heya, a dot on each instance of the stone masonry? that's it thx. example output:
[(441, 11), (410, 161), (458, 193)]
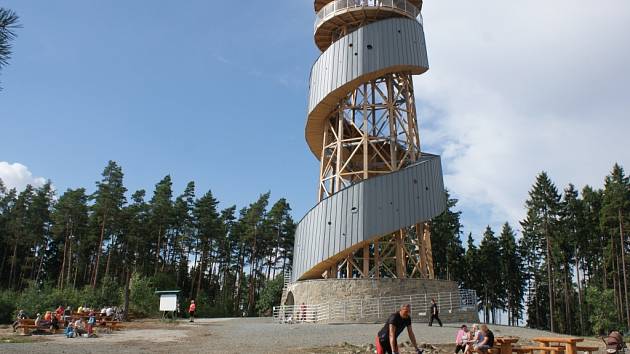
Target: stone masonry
[(367, 291)]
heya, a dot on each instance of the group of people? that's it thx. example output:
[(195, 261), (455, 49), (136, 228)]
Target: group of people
[(74, 324), (480, 338)]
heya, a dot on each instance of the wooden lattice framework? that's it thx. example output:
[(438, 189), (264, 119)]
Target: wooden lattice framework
[(374, 131)]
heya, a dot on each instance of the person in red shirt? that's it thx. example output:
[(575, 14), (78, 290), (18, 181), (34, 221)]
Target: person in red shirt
[(191, 310)]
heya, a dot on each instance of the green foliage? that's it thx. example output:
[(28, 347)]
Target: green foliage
[(8, 24), (143, 300), (270, 296), (7, 306), (602, 310)]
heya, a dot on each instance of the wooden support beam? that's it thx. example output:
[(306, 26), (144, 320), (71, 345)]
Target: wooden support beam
[(377, 259), (400, 255), (428, 250), (366, 260), (349, 266), (424, 272)]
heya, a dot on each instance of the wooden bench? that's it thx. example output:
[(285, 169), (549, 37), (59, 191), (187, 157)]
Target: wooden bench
[(587, 349), (532, 349), (27, 328)]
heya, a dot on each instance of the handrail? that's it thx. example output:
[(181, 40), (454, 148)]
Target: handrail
[(337, 6), (356, 309)]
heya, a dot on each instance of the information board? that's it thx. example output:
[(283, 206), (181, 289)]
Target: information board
[(168, 302)]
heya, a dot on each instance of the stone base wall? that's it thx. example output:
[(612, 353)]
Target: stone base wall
[(367, 291)]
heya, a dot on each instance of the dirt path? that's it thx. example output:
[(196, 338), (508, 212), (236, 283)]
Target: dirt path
[(246, 335)]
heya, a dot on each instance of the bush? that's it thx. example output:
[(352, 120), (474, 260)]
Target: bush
[(142, 298), (270, 296), (7, 307)]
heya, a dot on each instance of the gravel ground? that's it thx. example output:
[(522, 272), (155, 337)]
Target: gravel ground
[(253, 335)]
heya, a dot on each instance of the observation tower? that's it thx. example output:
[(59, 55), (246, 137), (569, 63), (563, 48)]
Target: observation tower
[(370, 233)]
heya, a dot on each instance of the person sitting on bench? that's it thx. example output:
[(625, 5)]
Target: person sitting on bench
[(20, 316), (54, 324), (476, 337), (461, 339), (488, 340)]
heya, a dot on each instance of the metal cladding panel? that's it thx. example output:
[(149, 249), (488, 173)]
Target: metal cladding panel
[(384, 204), (394, 42)]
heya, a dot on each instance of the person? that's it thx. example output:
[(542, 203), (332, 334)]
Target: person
[(302, 312), (59, 312), (109, 311), (79, 327), (80, 310), (67, 314), (461, 339), (48, 316), (387, 337), (434, 313), (21, 315), (475, 337), (91, 323), (38, 320), (54, 324), (488, 340), (104, 311), (191, 310), (69, 332)]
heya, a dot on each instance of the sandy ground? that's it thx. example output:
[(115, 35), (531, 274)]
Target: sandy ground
[(244, 335)]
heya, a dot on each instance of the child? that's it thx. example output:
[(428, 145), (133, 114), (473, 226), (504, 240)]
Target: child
[(90, 324)]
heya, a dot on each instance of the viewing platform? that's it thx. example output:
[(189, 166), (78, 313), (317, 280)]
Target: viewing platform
[(339, 17)]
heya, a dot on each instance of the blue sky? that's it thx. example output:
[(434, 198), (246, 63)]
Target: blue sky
[(215, 92)]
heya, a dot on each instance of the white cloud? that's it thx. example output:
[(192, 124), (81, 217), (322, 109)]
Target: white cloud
[(517, 88), (18, 176)]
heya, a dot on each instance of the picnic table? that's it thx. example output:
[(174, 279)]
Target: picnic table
[(505, 344), (569, 343)]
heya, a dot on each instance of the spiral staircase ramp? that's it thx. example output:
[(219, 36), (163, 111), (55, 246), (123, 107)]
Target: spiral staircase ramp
[(377, 38)]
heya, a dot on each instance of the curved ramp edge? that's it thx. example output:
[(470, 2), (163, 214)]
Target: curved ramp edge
[(366, 211)]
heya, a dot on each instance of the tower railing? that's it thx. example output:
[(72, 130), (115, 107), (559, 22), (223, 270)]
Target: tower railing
[(374, 308), (337, 6)]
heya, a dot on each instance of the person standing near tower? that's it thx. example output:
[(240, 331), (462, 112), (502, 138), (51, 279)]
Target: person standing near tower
[(387, 337), (191, 310), (434, 313)]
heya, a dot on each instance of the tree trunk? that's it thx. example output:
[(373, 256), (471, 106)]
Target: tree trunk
[(579, 284), (622, 247), (109, 256), (98, 251), (63, 263), (567, 309), (620, 295), (127, 281), (250, 301), (157, 251), (549, 278), (69, 263), (13, 261), (239, 280), (202, 269)]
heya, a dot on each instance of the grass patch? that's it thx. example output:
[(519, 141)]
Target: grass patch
[(15, 339)]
